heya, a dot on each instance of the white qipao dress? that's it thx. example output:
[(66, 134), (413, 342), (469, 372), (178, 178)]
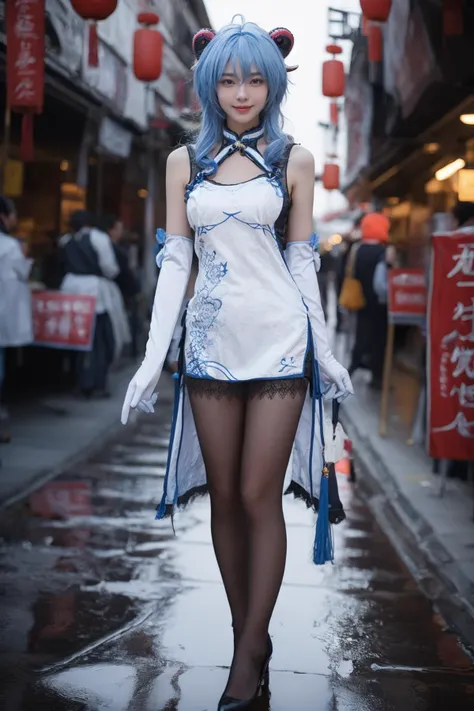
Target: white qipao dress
[(247, 320)]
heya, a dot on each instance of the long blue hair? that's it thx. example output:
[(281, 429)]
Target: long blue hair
[(253, 48)]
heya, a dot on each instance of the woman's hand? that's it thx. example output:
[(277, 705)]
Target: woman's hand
[(138, 395), (338, 377)]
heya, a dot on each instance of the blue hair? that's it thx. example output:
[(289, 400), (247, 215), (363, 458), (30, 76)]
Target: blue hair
[(251, 47)]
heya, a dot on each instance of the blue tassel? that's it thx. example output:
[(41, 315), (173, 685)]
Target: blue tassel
[(323, 549), (162, 507)]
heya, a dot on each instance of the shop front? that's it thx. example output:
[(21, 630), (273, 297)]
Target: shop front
[(410, 153)]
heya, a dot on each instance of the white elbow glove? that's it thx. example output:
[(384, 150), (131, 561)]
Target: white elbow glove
[(175, 261), (301, 258)]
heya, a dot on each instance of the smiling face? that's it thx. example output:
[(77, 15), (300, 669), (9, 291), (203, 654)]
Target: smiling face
[(242, 100)]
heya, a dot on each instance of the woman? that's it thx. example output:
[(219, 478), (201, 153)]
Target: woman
[(16, 326), (246, 192)]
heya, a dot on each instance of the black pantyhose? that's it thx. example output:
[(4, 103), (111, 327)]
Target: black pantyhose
[(246, 432)]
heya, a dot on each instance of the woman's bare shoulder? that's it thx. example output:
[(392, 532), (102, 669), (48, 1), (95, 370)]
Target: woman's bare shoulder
[(177, 164), (301, 157)]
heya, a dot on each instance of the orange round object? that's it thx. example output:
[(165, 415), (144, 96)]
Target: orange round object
[(375, 38), (334, 49), (331, 176), (376, 10), (148, 18), (147, 54), (95, 10), (375, 227)]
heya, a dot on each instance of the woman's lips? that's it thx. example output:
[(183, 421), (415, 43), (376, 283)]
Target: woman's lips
[(242, 109)]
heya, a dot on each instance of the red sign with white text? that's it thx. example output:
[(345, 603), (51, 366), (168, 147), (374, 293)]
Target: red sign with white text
[(451, 348), (407, 296), (63, 320), (25, 24)]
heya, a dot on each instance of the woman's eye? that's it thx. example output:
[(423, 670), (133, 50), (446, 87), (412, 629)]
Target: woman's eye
[(227, 82), (257, 81)]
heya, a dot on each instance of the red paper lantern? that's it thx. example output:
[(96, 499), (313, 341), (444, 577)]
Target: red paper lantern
[(375, 38), (147, 49), (334, 76), (94, 11), (453, 18), (334, 113), (331, 176), (376, 10)]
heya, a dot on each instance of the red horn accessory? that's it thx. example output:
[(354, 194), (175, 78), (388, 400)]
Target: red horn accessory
[(283, 39), (200, 41)]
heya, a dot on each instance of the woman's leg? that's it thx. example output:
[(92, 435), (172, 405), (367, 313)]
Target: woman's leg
[(218, 410), (271, 421)]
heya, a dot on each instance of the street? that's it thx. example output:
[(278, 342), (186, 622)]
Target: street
[(104, 608)]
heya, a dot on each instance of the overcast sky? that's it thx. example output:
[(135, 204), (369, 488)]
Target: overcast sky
[(307, 19)]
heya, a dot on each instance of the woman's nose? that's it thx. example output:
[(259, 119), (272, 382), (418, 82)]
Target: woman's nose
[(242, 92)]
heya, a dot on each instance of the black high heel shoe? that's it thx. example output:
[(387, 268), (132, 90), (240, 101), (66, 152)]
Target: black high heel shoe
[(228, 703)]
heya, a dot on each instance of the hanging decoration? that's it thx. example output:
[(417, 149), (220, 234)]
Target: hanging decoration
[(376, 10), (147, 48), (453, 18), (94, 11), (25, 66), (375, 38), (334, 113), (334, 77), (331, 176)]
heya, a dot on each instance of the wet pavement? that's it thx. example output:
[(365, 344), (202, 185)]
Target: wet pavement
[(103, 608)]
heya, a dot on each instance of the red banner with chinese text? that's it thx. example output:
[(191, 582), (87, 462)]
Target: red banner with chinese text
[(407, 296), (25, 25), (63, 320), (451, 348)]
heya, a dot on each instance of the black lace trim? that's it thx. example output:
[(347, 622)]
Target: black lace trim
[(247, 389), (336, 515)]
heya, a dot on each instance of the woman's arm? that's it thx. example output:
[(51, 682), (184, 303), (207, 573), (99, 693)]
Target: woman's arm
[(177, 177), (172, 283), (301, 187), (300, 258)]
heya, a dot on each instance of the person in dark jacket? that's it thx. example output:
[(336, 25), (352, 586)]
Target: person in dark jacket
[(371, 321)]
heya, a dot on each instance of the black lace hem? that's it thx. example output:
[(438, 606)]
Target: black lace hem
[(336, 515), (247, 389)]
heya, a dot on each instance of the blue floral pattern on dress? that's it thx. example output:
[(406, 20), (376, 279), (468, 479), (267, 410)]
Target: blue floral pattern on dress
[(205, 310), (287, 364)]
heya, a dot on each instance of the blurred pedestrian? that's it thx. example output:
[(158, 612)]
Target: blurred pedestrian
[(16, 326), (371, 321), (126, 280), (348, 241), (90, 267), (256, 353)]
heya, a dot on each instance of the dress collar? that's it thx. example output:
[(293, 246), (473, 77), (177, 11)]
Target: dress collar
[(246, 139)]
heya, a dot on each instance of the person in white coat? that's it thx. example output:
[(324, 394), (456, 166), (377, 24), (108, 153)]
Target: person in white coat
[(16, 325), (89, 261)]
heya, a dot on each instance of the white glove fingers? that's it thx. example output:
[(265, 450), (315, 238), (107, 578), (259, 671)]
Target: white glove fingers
[(127, 403)]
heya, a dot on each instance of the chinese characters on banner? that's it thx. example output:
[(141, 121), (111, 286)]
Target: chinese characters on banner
[(63, 320), (407, 296), (25, 25), (451, 348)]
